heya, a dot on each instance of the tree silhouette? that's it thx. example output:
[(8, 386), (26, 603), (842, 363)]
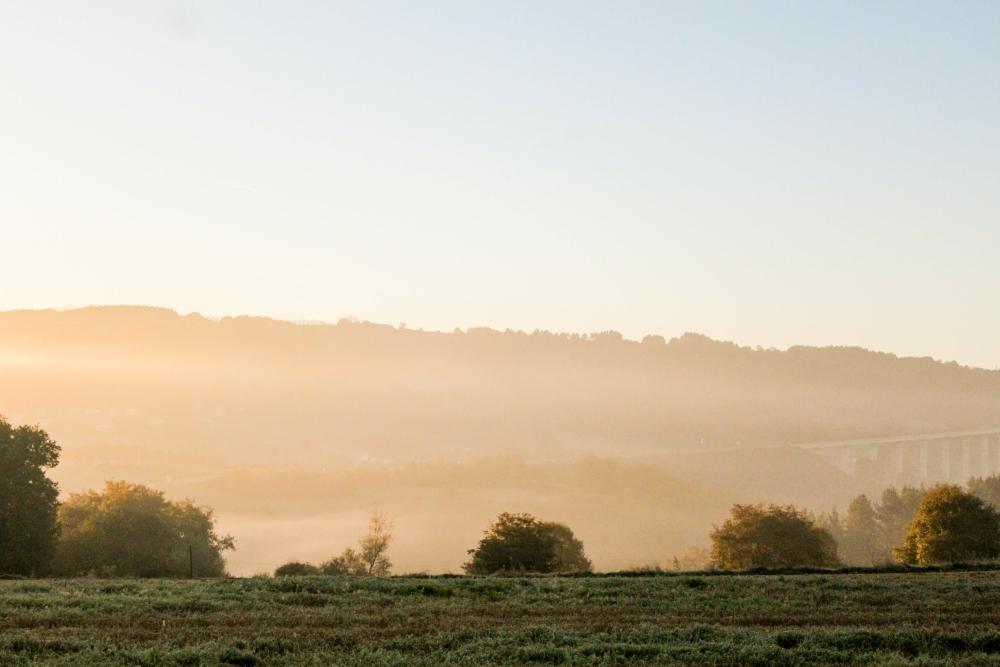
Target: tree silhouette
[(296, 569), (951, 525), (522, 543), (862, 539), (987, 488), (771, 536), (132, 530), (28, 499), (375, 545)]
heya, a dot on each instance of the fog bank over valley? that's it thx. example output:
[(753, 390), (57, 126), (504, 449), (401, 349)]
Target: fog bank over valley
[(293, 433)]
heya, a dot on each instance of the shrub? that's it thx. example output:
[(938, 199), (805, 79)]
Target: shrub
[(349, 562), (772, 536), (130, 530), (372, 556), (522, 543), (951, 526), (296, 569)]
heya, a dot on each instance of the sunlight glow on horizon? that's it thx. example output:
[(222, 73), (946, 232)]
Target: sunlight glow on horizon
[(773, 174)]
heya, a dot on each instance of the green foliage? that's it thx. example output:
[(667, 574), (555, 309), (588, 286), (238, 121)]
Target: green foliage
[(919, 619), (988, 489), (522, 543), (867, 535), (863, 534), (347, 563), (131, 530), (951, 525), (296, 569), (771, 536), (28, 499), (895, 511), (371, 558), (570, 556)]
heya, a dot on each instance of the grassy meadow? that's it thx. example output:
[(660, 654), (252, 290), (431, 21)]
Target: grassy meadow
[(919, 618)]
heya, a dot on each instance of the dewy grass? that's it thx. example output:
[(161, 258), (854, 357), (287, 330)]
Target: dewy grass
[(920, 618)]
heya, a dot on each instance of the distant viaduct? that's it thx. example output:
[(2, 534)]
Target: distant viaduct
[(934, 457)]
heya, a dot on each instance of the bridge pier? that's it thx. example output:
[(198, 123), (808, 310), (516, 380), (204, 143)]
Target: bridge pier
[(993, 454), (925, 472), (850, 460), (950, 457), (984, 455), (966, 459), (946, 457)]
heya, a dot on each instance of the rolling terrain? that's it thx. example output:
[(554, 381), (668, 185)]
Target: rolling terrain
[(293, 433)]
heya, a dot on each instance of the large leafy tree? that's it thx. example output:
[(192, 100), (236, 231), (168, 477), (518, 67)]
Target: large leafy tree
[(522, 543), (951, 525), (771, 536), (28, 499), (132, 530)]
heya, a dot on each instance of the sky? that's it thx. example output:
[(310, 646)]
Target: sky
[(773, 173)]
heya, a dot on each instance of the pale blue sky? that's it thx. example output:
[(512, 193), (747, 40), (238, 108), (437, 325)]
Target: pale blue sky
[(768, 172)]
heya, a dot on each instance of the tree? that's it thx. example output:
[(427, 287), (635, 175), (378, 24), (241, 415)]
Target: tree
[(834, 527), (28, 499), (894, 513), (371, 558), (951, 525), (862, 539), (987, 488), (771, 536), (832, 524), (132, 530), (692, 558), (522, 543), (348, 563), (296, 569), (375, 545), (870, 530), (569, 550)]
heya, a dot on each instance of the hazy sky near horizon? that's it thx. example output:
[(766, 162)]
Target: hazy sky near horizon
[(772, 173)]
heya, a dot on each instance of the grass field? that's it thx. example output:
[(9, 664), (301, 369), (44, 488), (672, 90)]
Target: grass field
[(940, 618)]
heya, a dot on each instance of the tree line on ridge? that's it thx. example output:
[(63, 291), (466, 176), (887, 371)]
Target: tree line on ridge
[(131, 530)]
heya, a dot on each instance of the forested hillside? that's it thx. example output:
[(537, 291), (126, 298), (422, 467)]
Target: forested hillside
[(293, 432), (297, 393)]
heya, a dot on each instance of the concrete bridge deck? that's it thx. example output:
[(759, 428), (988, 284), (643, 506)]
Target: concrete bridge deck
[(932, 457)]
